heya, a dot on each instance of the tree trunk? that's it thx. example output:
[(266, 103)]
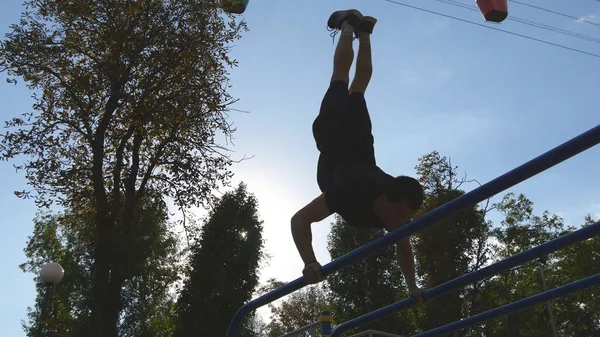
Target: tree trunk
[(100, 288), (106, 292), (102, 308), (113, 309)]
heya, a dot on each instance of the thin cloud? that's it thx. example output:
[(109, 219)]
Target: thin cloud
[(595, 210), (574, 216), (589, 17)]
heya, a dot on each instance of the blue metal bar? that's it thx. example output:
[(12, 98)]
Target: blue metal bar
[(516, 306), (311, 327), (535, 166), (478, 275)]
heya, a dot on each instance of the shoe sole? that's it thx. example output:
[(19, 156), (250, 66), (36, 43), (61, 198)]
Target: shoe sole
[(367, 24), (353, 16)]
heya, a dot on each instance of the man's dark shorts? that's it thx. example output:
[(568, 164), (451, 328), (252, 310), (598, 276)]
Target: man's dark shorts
[(342, 132)]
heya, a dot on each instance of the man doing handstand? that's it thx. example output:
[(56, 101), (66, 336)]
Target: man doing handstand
[(351, 183)]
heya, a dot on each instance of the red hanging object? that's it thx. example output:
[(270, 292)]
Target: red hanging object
[(493, 10)]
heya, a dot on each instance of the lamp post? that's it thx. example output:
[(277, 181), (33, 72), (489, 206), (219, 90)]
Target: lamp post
[(542, 265), (51, 274)]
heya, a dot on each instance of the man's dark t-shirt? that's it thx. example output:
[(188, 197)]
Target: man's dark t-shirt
[(353, 189)]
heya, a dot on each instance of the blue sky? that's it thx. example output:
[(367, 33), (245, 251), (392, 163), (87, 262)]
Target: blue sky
[(488, 100)]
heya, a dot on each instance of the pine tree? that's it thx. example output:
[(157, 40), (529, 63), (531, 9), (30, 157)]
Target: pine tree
[(223, 268)]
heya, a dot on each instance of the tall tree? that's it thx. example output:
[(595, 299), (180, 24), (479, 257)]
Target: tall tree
[(129, 96), (223, 268), (451, 247), (68, 238)]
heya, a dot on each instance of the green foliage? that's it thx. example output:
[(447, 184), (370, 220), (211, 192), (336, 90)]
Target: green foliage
[(57, 238), (139, 84), (578, 314), (253, 326), (148, 294), (66, 238), (521, 229), (223, 268), (298, 310)]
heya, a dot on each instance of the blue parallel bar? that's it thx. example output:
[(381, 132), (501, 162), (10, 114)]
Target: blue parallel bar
[(478, 275), (535, 166), (516, 306)]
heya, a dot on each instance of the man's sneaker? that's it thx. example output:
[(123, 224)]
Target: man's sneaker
[(336, 19), (367, 24)]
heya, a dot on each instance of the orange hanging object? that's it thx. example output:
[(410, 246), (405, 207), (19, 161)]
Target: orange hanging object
[(493, 10)]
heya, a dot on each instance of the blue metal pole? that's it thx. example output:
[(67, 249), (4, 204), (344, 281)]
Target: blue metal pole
[(535, 166), (478, 275), (326, 319), (516, 306)]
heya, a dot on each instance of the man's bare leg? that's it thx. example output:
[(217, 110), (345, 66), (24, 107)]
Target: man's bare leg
[(344, 55), (364, 64)]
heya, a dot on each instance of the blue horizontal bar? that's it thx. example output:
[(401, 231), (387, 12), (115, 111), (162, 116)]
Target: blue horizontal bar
[(308, 327), (516, 306), (478, 275), (535, 166)]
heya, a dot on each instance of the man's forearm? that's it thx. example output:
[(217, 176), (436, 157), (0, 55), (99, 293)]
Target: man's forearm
[(303, 239), (406, 261)]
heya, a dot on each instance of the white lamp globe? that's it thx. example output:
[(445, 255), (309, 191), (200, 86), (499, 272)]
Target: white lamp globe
[(52, 273)]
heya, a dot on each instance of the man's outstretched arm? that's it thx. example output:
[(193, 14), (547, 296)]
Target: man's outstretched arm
[(406, 260), (315, 211)]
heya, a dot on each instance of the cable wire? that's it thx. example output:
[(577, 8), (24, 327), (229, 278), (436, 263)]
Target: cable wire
[(557, 13), (494, 28), (527, 22)]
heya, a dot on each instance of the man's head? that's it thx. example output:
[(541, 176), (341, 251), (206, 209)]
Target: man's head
[(399, 202)]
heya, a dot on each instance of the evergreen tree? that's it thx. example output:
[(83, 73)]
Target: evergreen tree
[(223, 267)]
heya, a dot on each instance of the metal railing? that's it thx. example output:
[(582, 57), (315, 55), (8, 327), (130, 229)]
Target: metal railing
[(478, 275), (312, 328)]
